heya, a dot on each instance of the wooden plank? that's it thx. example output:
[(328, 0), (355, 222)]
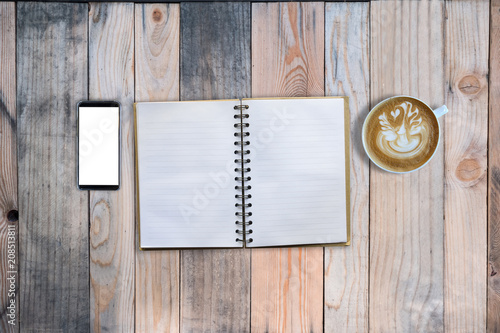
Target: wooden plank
[(8, 173), (157, 52), (347, 73), (406, 210), (287, 60), (215, 64), (53, 213), (287, 50), (493, 322), (466, 135), (157, 79), (112, 213)]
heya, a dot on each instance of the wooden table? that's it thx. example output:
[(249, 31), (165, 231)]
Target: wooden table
[(425, 250)]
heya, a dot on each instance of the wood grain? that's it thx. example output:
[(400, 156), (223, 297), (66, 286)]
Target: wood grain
[(157, 52), (429, 268), (347, 73), (112, 213), (493, 322), (466, 135), (287, 60), (9, 314), (157, 79), (406, 210), (53, 213), (215, 64), (287, 50)]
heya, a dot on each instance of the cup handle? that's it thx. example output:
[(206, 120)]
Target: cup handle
[(440, 111)]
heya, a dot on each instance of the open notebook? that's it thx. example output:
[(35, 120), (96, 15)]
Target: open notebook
[(243, 173)]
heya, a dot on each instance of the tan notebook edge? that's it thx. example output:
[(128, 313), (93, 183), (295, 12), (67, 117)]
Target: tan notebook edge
[(347, 181)]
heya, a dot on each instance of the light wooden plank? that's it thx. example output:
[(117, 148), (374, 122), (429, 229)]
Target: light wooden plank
[(157, 52), (8, 173), (157, 79), (287, 60), (287, 50), (347, 73), (466, 135), (493, 322), (53, 213), (406, 211), (215, 64), (112, 213)]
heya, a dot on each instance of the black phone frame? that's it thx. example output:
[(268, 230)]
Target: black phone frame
[(97, 104)]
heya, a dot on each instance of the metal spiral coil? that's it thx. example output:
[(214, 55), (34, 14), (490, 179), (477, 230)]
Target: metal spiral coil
[(239, 179), (243, 205), (239, 196), (249, 240), (246, 232), (239, 160), (242, 143), (241, 170), (246, 188), (243, 223), (243, 213)]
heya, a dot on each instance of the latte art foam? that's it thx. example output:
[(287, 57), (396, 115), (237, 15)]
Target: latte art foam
[(402, 134)]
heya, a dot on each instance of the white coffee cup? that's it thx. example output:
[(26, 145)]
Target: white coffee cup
[(401, 134)]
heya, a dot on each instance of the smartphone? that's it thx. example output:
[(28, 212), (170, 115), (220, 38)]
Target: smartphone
[(98, 145)]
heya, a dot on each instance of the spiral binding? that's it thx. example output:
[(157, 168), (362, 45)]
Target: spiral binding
[(243, 214)]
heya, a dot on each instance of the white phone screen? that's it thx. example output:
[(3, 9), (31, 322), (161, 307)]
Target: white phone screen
[(98, 146)]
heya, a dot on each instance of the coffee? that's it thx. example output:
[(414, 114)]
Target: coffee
[(401, 134)]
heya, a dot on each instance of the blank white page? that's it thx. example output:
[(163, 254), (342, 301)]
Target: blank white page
[(297, 171), (185, 156)]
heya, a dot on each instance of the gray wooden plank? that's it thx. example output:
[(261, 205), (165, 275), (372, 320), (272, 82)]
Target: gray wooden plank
[(215, 50), (112, 213), (53, 213), (215, 64), (9, 314), (347, 73), (493, 321)]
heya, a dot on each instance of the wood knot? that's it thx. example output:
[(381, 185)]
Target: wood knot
[(493, 281), (96, 13), (468, 170), (100, 219), (13, 216), (469, 85), (157, 15)]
